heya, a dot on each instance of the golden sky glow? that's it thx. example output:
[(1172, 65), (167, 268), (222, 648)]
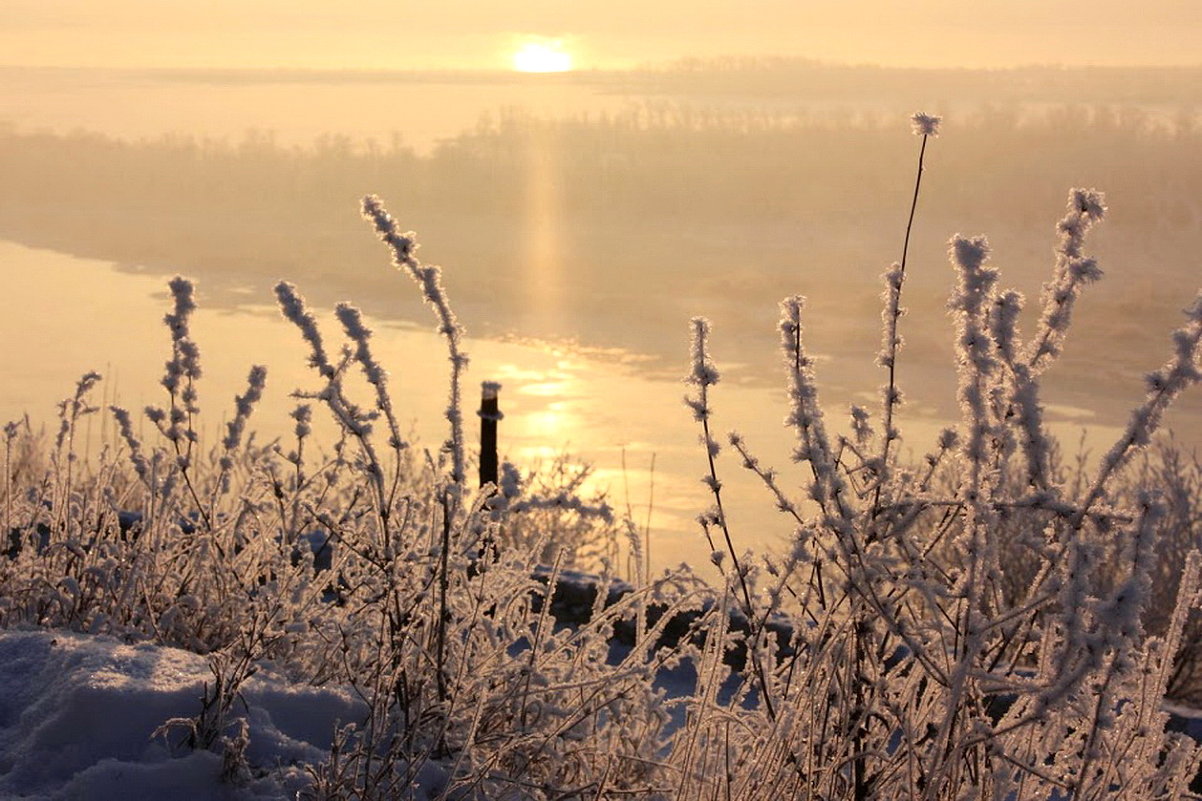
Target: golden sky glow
[(476, 34)]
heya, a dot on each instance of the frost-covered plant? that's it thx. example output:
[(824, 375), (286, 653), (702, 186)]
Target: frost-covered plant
[(981, 624), (926, 126), (429, 278), (920, 671), (447, 636), (553, 497), (1177, 475), (367, 567)]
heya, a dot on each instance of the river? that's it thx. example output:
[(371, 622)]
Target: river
[(67, 315)]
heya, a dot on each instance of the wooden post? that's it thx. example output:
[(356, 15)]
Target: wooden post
[(490, 415)]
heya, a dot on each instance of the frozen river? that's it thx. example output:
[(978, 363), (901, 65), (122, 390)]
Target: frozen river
[(67, 315)]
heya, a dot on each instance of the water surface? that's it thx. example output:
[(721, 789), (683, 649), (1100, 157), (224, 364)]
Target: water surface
[(68, 315)]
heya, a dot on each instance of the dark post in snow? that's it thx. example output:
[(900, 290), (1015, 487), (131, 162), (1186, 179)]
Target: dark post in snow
[(490, 414)]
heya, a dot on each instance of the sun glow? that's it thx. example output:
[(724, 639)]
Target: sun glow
[(542, 55)]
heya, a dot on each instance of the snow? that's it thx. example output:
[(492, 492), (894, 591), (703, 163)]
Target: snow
[(79, 713), (78, 716)]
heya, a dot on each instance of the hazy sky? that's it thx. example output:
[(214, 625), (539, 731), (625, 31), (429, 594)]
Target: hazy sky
[(603, 33)]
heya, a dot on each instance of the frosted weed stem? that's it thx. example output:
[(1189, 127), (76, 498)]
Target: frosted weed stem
[(244, 406), (926, 126), (10, 435), (1181, 371), (1071, 273), (377, 376), (704, 375), (429, 278), (70, 410), (352, 420), (178, 424)]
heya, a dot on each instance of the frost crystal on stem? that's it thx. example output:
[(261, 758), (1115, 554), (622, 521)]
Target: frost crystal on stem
[(925, 124), (429, 278), (1072, 272)]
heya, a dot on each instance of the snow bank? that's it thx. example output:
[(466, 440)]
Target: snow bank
[(78, 714)]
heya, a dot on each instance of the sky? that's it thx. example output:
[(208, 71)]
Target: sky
[(482, 34)]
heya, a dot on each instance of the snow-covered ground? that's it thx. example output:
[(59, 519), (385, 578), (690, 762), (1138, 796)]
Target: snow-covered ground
[(78, 716)]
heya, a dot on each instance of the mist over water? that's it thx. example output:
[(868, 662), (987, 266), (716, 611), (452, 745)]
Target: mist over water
[(581, 222)]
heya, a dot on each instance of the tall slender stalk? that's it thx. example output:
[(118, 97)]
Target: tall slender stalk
[(703, 376), (926, 126), (429, 278)]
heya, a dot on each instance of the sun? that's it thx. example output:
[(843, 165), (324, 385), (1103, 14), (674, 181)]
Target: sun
[(542, 55)]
